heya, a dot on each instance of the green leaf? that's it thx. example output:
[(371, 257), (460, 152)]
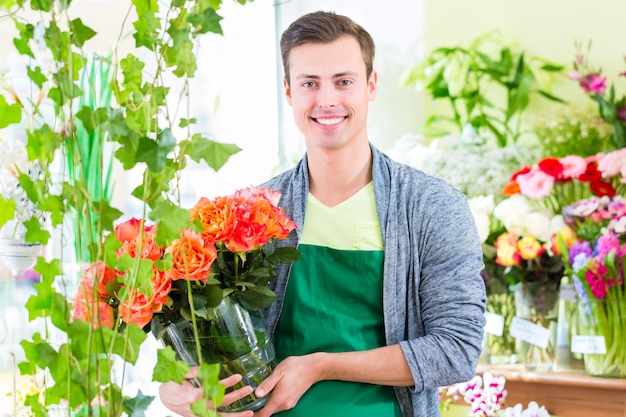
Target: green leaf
[(137, 406), (80, 32), (34, 231), (256, 298), (209, 21), (36, 76), (168, 368), (27, 32), (128, 345), (170, 220), (214, 153), (9, 113), (7, 210), (154, 152)]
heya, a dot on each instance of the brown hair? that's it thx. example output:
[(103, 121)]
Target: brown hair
[(325, 27)]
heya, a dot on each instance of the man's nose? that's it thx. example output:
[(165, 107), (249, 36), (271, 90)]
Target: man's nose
[(327, 96)]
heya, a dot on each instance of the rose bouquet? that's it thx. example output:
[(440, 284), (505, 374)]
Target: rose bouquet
[(597, 263), (225, 256)]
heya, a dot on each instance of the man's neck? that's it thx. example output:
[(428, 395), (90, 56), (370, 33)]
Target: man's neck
[(335, 176)]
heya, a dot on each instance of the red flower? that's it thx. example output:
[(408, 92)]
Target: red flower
[(602, 188), (551, 166)]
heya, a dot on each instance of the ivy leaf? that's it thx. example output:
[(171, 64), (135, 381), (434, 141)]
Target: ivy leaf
[(9, 113), (34, 231), (209, 21), (136, 407), (154, 152), (7, 210), (214, 153), (147, 30), (170, 219), (80, 32), (168, 368), (127, 345), (36, 76), (27, 32)]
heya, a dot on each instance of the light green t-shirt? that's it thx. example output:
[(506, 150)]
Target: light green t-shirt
[(333, 303)]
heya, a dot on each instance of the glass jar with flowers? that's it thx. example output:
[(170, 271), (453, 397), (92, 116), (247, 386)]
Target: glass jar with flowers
[(203, 294), (533, 266), (597, 264)]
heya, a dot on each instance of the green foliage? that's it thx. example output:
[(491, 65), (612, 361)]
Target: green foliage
[(489, 84), (126, 113)]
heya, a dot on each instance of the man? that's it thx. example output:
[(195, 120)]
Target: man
[(386, 302)]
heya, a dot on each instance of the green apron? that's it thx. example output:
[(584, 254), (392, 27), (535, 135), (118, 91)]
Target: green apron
[(333, 303)]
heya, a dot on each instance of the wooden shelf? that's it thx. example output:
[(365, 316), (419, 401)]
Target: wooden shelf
[(564, 393)]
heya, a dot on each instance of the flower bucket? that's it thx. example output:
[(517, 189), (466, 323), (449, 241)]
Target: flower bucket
[(238, 340), (18, 255), (601, 337), (499, 344), (535, 325)]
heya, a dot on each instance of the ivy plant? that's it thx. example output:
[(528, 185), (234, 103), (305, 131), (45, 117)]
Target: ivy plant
[(137, 123)]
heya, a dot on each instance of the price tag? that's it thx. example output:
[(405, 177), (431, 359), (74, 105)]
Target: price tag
[(530, 332), (494, 324), (588, 344), (568, 292)]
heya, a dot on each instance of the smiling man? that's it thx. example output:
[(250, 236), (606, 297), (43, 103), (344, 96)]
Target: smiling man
[(386, 302)]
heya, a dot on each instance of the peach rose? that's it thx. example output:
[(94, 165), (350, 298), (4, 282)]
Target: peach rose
[(137, 310), (192, 256), (217, 217), (102, 274), (529, 247), (161, 287), (90, 310)]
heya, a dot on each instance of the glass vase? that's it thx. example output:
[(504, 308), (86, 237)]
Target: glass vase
[(535, 324), (601, 337), (499, 344), (235, 338), (567, 327)]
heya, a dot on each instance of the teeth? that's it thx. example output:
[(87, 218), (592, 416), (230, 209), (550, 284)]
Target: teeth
[(329, 122)]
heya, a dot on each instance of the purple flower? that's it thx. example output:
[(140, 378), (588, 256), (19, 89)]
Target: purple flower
[(621, 113), (593, 83), (584, 250), (607, 243)]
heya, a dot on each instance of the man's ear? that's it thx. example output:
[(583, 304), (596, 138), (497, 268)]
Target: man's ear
[(372, 85), (287, 90)]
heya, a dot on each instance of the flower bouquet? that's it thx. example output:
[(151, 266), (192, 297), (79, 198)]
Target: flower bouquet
[(597, 264), (201, 294), (534, 268)]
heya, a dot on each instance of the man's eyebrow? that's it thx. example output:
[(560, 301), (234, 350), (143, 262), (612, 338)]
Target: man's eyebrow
[(317, 77)]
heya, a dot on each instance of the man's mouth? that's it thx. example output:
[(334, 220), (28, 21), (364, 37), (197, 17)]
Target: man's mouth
[(329, 121)]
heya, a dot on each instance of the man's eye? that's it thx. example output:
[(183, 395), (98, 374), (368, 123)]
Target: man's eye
[(308, 84), (345, 83)]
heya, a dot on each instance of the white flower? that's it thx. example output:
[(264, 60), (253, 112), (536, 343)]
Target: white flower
[(481, 208), (519, 217), (533, 410)]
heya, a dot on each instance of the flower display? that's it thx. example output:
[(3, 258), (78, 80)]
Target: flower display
[(228, 250), (558, 182), (597, 262), (474, 163), (611, 108), (486, 396)]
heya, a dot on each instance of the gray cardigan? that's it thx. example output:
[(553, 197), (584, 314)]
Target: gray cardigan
[(433, 295)]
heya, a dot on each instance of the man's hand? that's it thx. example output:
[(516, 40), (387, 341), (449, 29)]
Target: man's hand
[(178, 397), (288, 382)]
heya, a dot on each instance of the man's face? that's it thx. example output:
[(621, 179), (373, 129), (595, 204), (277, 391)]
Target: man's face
[(329, 92)]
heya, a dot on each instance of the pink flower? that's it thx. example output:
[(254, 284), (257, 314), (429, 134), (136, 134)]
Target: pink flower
[(612, 163), (536, 184), (573, 166), (574, 75), (593, 83)]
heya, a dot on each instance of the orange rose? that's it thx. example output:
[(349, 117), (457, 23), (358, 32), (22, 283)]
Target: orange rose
[(127, 231), (511, 188), (217, 217), (529, 247), (137, 310), (146, 241), (94, 311), (569, 238), (102, 274), (161, 287), (253, 193), (192, 257)]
